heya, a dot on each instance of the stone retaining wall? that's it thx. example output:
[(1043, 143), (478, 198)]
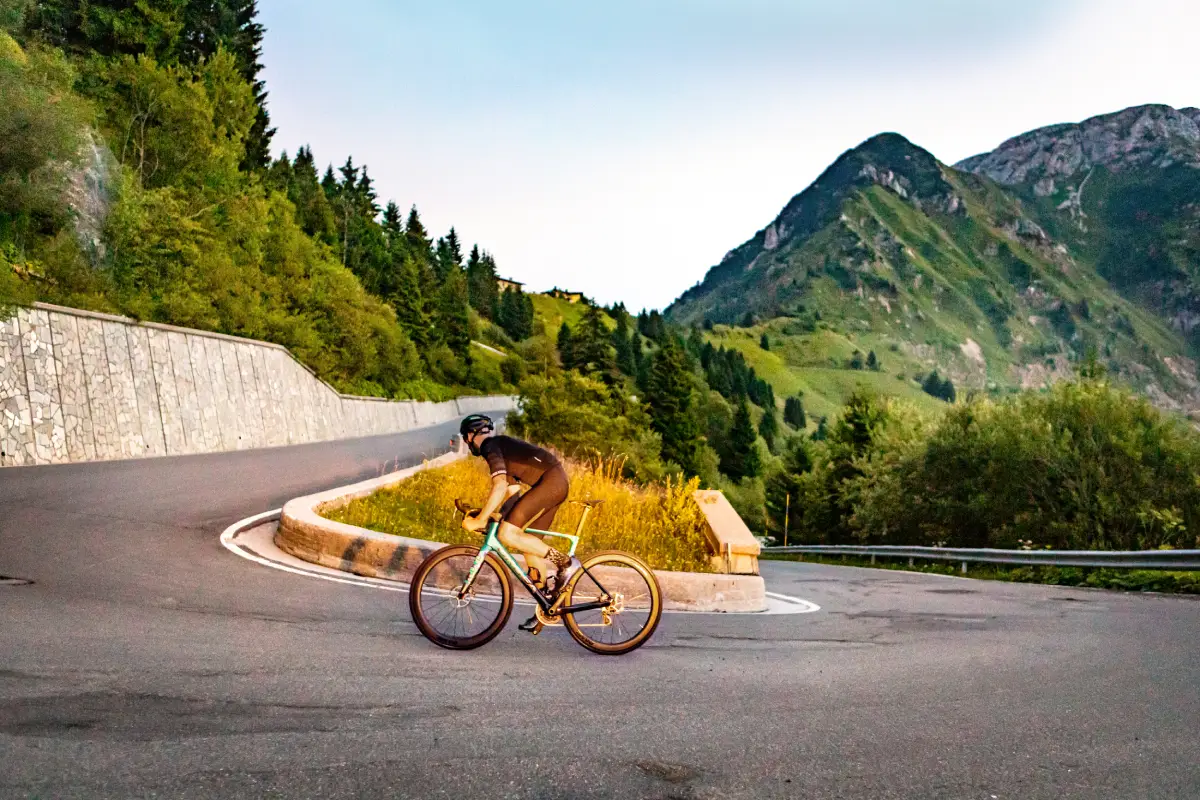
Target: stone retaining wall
[(80, 386)]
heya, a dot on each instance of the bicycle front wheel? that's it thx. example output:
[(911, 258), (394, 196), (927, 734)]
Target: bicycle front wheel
[(450, 617), (634, 603)]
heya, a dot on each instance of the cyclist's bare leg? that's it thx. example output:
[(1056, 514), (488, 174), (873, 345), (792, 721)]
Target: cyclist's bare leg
[(533, 548)]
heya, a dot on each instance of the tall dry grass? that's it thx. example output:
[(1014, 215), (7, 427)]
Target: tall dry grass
[(660, 522)]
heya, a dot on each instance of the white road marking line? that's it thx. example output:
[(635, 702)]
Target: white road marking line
[(777, 604), (807, 605)]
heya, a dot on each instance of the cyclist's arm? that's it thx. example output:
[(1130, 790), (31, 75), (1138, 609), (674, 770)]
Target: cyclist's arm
[(496, 498)]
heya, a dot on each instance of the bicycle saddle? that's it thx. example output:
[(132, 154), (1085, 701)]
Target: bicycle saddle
[(466, 509)]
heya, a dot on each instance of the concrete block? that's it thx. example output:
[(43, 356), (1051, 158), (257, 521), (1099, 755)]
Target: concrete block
[(735, 550)]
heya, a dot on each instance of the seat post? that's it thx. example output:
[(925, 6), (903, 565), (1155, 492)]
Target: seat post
[(587, 509)]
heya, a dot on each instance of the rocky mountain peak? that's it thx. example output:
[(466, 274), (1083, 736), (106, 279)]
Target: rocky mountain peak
[(1141, 136)]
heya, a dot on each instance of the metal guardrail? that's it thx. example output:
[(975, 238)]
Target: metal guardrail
[(1177, 560)]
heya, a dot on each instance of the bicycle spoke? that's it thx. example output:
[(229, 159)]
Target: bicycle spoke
[(631, 597), (453, 616)]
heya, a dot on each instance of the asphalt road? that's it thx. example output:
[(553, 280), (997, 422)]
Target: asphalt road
[(147, 661)]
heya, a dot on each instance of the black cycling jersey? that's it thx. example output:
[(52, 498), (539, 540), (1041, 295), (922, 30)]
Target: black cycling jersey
[(517, 459)]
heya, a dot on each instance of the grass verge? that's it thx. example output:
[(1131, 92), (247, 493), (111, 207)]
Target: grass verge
[(1129, 580), (661, 522)]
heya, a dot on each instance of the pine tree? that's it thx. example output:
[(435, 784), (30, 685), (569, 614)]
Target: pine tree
[(793, 413), (592, 351), (856, 360), (872, 361), (454, 321), (481, 283), (936, 387), (279, 175), (783, 487), (393, 225), (764, 342), (948, 393), (408, 302), (232, 25), (418, 237), (455, 247), (446, 257), (768, 426), (822, 431), (329, 184), (623, 347), (742, 459), (668, 396), (515, 314), (313, 212), (566, 349), (365, 198)]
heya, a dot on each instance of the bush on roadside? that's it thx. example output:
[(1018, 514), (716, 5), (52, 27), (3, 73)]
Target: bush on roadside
[(585, 419)]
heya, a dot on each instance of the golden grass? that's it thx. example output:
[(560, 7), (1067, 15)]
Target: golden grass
[(661, 523)]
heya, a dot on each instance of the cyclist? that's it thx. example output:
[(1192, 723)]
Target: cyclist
[(514, 462)]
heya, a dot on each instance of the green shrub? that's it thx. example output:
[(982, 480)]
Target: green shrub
[(1082, 466), (585, 419)]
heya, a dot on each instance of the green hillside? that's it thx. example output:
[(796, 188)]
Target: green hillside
[(932, 268), (553, 311), (814, 365)]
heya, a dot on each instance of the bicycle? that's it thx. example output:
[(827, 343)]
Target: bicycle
[(461, 596)]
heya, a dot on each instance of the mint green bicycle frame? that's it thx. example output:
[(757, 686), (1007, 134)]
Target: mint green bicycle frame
[(492, 544)]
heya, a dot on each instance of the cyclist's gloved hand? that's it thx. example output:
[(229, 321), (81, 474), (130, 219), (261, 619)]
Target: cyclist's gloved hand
[(474, 523)]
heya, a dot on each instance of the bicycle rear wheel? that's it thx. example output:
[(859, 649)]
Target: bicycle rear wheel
[(453, 621), (635, 603)]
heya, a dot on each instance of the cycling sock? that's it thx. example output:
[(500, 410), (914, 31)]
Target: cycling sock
[(535, 575), (561, 561)]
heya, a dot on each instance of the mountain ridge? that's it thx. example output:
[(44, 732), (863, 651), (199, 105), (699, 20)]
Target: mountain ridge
[(993, 283)]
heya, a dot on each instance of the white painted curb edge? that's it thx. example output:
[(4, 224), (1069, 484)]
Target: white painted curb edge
[(781, 603)]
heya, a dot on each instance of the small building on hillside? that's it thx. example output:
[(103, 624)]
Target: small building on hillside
[(570, 297), (507, 285)]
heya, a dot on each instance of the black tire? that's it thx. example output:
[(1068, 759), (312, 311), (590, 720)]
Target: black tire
[(431, 602), (614, 571)]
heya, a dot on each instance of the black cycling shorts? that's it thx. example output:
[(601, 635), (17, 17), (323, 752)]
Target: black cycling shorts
[(540, 503)]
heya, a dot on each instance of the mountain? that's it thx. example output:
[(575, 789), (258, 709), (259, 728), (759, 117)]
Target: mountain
[(1003, 272), (1123, 191)]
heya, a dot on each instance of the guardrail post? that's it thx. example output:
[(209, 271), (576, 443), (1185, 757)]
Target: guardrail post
[(872, 558), (964, 568), (910, 561)]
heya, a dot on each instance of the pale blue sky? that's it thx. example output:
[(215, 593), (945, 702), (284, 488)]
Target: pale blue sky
[(621, 148)]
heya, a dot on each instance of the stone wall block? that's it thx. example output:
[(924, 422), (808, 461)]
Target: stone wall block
[(295, 378), (41, 375), (256, 428), (223, 407), (72, 388), (120, 372), (145, 388), (185, 386), (235, 394), (169, 403), (206, 397), (102, 400), (16, 421), (270, 399), (300, 383)]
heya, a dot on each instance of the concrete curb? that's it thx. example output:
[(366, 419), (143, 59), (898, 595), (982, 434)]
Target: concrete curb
[(305, 534)]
